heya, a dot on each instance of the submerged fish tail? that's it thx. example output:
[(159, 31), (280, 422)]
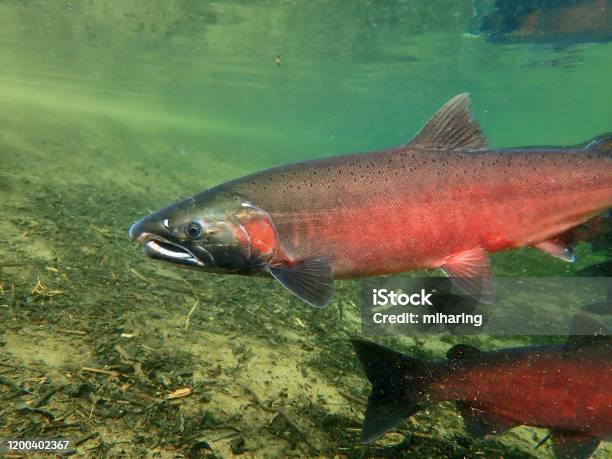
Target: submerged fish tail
[(398, 386)]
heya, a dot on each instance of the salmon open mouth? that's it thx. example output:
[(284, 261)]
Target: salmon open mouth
[(161, 249)]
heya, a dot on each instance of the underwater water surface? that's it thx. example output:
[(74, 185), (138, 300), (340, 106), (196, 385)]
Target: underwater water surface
[(109, 110)]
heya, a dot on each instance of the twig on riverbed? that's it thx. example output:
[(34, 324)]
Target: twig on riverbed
[(193, 308)]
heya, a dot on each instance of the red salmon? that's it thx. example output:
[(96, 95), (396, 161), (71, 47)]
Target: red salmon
[(442, 200), (566, 388)]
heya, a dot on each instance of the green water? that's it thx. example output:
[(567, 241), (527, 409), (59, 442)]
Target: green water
[(109, 110), (200, 77)]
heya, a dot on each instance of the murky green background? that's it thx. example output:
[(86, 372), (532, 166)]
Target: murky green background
[(187, 82), (111, 109)]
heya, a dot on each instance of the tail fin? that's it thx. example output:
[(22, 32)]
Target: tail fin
[(602, 143), (397, 383)]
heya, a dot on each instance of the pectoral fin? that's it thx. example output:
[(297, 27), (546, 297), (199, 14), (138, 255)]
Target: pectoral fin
[(556, 248), (311, 280), (470, 271)]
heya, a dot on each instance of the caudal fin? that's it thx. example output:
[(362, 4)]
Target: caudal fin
[(397, 386)]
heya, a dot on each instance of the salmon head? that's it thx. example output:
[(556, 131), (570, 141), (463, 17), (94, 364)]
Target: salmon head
[(214, 231)]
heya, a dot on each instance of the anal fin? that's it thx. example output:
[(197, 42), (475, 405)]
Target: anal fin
[(556, 248), (480, 422), (470, 271), (574, 446), (310, 280)]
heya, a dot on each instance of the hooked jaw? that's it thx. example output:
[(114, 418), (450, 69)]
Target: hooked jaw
[(158, 244)]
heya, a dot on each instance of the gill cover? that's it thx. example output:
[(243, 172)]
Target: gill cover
[(236, 235)]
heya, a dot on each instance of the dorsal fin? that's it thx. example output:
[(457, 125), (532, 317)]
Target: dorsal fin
[(601, 143), (451, 128), (584, 330), (462, 351)]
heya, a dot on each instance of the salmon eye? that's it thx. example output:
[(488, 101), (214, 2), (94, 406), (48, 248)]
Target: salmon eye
[(194, 230)]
